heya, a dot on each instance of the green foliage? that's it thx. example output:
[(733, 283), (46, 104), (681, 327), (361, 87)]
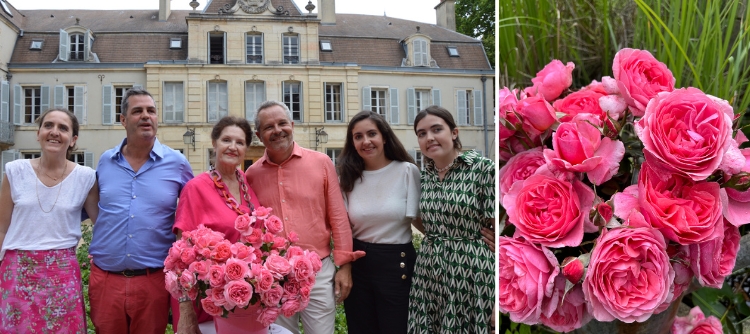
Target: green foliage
[(476, 18), (729, 303), (82, 255)]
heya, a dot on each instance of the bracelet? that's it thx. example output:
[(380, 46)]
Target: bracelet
[(183, 299)]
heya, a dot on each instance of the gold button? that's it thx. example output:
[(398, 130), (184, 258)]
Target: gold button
[(403, 254), (403, 276), (402, 265)]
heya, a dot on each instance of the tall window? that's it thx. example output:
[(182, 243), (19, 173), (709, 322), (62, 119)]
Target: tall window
[(333, 104), (333, 153), (421, 55), (255, 94), (254, 48), (291, 49), (216, 48), (32, 103), (119, 93), (419, 159), (293, 99), (378, 101), (174, 102), (78, 157), (76, 46), (218, 101), (32, 155), (422, 99), (464, 107)]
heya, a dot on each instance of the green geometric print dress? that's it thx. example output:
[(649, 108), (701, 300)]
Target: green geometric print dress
[(453, 288)]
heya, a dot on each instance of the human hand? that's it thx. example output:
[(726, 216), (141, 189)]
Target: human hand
[(488, 236), (343, 282), (188, 323)]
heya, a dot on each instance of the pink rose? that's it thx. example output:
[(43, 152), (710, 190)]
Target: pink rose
[(274, 224), (294, 251), (293, 237), (268, 238), (686, 131), (279, 242), (513, 145), (242, 252), (211, 308), (537, 115), (217, 295), (216, 275), (171, 283), (302, 269), (238, 293), (613, 105), (272, 297), (684, 211), (170, 263), (187, 280), (243, 223), (519, 168), (527, 275), (268, 315), (572, 269), (291, 287), (640, 77), (265, 280), (552, 80), (304, 292), (277, 265), (290, 307), (549, 211), (254, 238), (579, 147), (570, 312), (262, 212), (315, 261), (629, 275), (581, 102), (713, 260), (236, 269), (506, 107), (222, 251), (697, 323), (200, 268)]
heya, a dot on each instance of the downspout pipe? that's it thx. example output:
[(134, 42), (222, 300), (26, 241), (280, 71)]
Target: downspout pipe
[(484, 117)]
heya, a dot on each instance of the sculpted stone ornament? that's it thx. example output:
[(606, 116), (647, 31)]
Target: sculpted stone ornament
[(248, 6)]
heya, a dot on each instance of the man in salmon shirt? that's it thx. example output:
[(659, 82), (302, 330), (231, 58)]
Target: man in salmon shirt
[(302, 188)]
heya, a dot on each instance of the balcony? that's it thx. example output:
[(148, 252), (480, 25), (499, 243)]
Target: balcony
[(6, 133)]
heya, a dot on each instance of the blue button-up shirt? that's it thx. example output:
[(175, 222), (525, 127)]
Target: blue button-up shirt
[(136, 210)]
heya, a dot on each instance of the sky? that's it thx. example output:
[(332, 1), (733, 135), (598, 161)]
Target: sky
[(415, 10)]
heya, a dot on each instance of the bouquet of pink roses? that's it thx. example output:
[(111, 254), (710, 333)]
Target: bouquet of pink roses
[(260, 268), (616, 195)]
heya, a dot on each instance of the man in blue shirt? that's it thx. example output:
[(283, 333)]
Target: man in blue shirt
[(139, 183)]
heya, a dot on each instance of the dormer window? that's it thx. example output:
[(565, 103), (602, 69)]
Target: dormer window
[(452, 51), (175, 43), (36, 44), (75, 44), (421, 52), (325, 45)]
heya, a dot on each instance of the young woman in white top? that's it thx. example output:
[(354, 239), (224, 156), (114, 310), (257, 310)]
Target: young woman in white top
[(380, 183), (40, 226)]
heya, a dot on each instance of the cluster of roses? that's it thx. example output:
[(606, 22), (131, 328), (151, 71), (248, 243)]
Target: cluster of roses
[(679, 221), (260, 268)]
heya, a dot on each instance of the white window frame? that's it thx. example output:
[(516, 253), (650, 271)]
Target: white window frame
[(217, 100), (217, 34), (77, 47), (326, 46), (255, 94), (291, 50), (75, 102), (118, 92), (334, 102), (419, 159), (36, 44), (175, 43), (464, 107), (254, 49), (40, 102), (453, 51), (333, 153), (31, 154), (288, 98), (379, 101), (173, 104), (422, 99)]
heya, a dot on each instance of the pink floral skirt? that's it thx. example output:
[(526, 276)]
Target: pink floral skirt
[(40, 292)]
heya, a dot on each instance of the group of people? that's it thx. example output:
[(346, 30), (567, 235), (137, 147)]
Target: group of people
[(143, 195)]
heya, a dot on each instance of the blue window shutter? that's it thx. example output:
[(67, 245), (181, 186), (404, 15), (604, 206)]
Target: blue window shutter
[(64, 53), (411, 106), (4, 101), (478, 112), (436, 100), (45, 98), (17, 110), (395, 115), (461, 110), (59, 96), (108, 110), (88, 159), (79, 101), (366, 98)]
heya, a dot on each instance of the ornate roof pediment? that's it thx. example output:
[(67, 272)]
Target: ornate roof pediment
[(252, 7)]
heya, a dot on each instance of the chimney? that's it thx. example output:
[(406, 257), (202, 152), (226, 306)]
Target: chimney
[(164, 10), (327, 11), (446, 14)]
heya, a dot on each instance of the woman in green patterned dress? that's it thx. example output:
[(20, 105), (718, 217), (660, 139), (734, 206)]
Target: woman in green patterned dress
[(453, 286)]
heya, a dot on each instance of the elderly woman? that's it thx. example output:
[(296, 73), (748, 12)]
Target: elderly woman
[(40, 226)]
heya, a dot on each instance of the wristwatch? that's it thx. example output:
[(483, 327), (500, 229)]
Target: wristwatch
[(183, 299)]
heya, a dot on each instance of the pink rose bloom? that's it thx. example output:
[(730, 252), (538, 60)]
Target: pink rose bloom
[(243, 223), (549, 211), (302, 269), (512, 146), (170, 263), (713, 260), (171, 284), (629, 276), (272, 297), (274, 224), (291, 287), (552, 80), (236, 269), (242, 252), (293, 237), (217, 295), (293, 251), (579, 147), (519, 168), (581, 102), (200, 268), (268, 238), (527, 275), (238, 293), (290, 307), (304, 292), (268, 315), (265, 280), (187, 280), (686, 131), (222, 251), (737, 208), (697, 323), (277, 265), (507, 104), (613, 105), (640, 77), (279, 242), (537, 114), (216, 275), (570, 312), (684, 211), (254, 238), (211, 308), (262, 212)]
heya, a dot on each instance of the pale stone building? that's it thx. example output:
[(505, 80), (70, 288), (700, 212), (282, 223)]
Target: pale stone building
[(227, 59)]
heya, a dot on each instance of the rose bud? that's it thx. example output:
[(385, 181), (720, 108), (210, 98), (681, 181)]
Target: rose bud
[(572, 269)]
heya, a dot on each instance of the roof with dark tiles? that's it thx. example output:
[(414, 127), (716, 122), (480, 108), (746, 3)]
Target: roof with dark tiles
[(16, 18), (52, 20)]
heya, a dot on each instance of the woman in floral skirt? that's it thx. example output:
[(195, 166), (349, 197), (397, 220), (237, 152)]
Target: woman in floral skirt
[(453, 286), (40, 226)]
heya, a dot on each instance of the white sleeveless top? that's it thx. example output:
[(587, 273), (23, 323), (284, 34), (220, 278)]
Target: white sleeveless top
[(33, 229)]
